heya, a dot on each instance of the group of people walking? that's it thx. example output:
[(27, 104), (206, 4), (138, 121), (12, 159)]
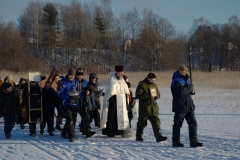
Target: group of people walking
[(75, 95)]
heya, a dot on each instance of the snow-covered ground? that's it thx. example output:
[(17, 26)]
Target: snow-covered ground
[(218, 117)]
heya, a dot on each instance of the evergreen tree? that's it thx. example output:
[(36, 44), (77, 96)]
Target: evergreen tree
[(50, 28)]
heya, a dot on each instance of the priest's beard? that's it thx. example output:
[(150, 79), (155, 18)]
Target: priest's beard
[(119, 78)]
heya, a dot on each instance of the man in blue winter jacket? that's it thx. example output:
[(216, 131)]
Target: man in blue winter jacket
[(69, 93), (183, 106)]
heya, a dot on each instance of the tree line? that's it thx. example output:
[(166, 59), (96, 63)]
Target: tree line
[(91, 37)]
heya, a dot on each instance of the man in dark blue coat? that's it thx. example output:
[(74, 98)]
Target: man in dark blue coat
[(66, 92), (183, 107)]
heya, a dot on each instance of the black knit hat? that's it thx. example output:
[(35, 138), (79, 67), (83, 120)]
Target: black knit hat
[(71, 71), (22, 79), (43, 77), (79, 71)]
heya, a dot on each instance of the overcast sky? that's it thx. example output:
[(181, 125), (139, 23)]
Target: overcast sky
[(180, 13)]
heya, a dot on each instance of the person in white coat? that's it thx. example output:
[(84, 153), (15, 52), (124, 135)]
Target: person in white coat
[(114, 119)]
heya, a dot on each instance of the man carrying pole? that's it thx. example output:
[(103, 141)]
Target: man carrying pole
[(183, 106)]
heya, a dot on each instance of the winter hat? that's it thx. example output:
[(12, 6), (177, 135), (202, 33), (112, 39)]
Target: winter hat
[(22, 79), (151, 75), (43, 77), (9, 78), (79, 71), (119, 68), (182, 67), (71, 71)]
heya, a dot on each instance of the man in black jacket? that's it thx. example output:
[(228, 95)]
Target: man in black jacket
[(49, 100), (9, 104), (183, 107)]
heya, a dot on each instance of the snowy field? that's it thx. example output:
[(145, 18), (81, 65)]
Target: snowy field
[(218, 117)]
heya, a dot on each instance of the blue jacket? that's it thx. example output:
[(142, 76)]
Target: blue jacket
[(88, 102), (64, 87), (182, 99)]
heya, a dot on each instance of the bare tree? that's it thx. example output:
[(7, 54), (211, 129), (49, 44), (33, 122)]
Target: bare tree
[(30, 24)]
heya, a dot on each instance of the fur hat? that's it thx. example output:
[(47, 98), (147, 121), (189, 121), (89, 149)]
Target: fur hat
[(119, 68), (71, 71), (79, 71), (182, 67)]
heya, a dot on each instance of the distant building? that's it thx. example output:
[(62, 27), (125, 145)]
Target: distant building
[(127, 43)]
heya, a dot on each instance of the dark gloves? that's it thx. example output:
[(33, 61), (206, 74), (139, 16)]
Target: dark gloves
[(103, 94), (130, 115)]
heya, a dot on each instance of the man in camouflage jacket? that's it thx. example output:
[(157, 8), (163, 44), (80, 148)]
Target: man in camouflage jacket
[(147, 92)]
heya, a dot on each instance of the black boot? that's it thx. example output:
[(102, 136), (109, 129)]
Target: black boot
[(193, 137), (158, 134), (176, 137), (90, 133), (58, 127), (139, 134), (51, 134), (22, 126), (86, 128), (195, 143)]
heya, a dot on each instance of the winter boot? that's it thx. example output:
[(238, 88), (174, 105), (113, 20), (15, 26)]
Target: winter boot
[(139, 134), (58, 127), (51, 134), (34, 135), (177, 144), (158, 134), (176, 137), (64, 136), (8, 136), (72, 140), (193, 137), (195, 143), (90, 133), (22, 126)]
